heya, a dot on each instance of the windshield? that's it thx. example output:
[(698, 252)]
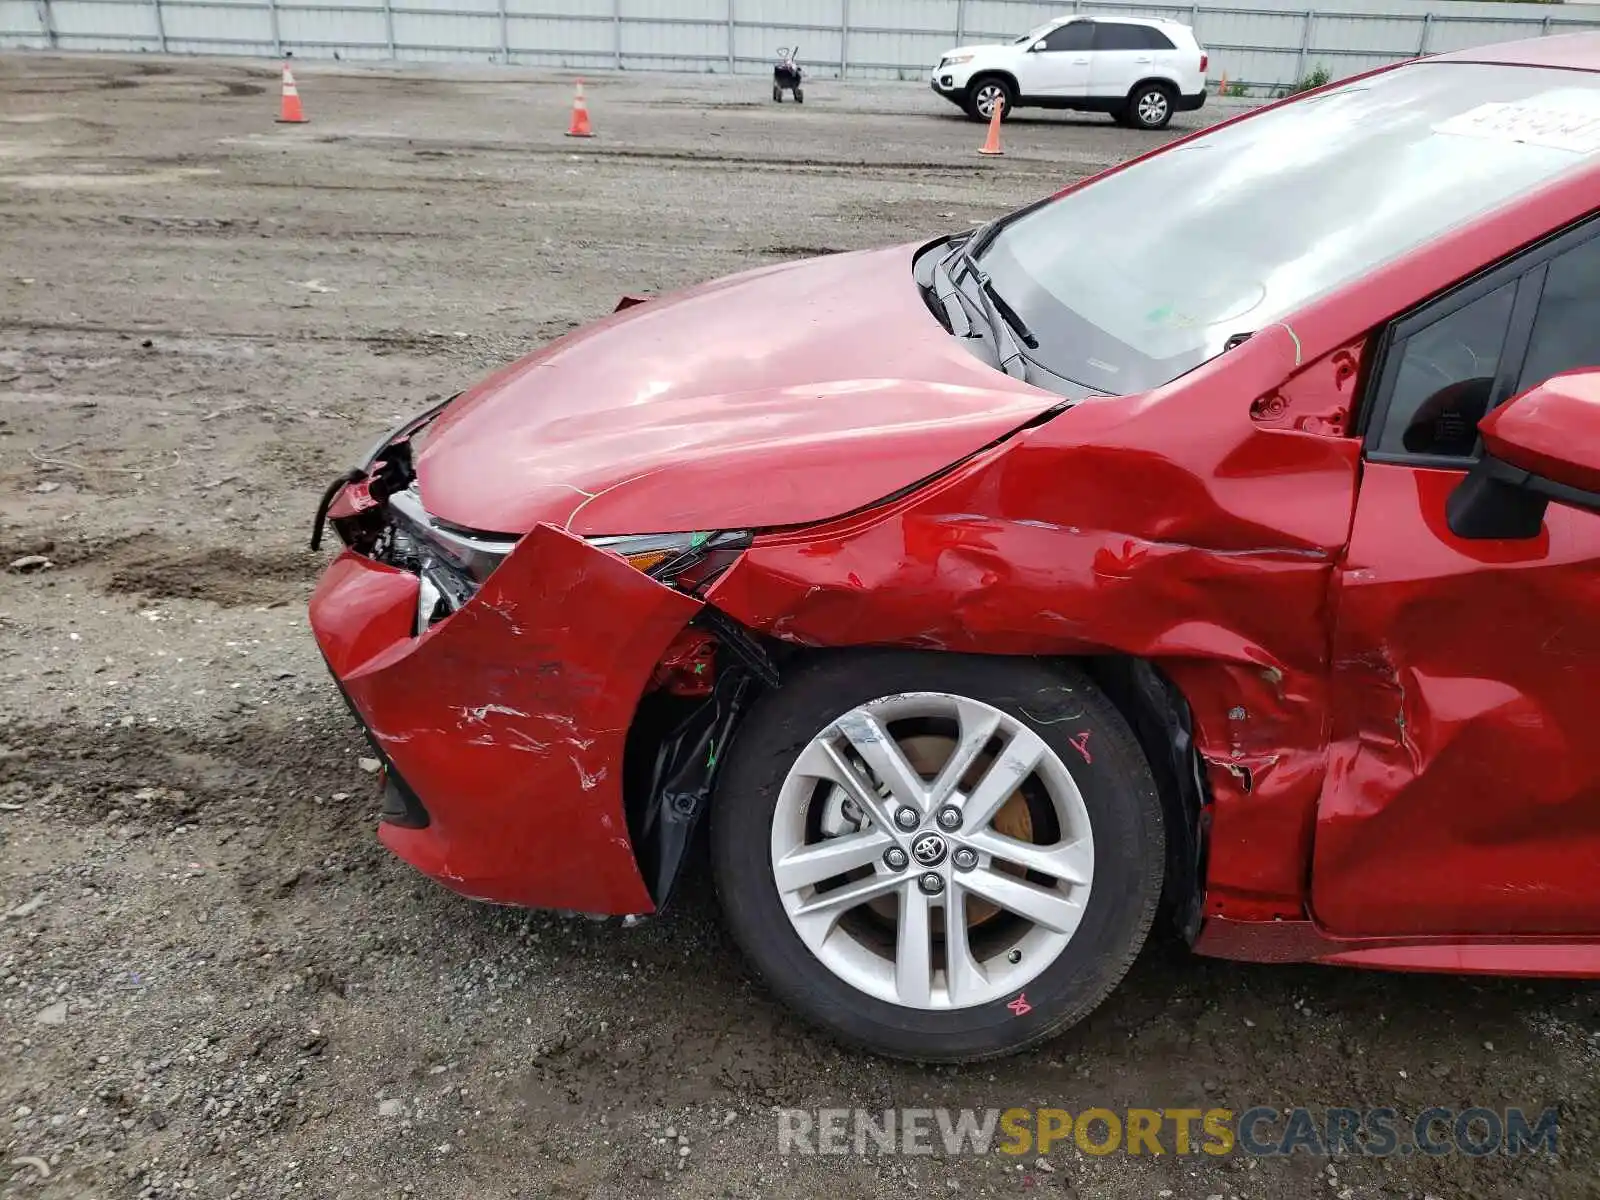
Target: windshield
[(1034, 34), (1137, 278)]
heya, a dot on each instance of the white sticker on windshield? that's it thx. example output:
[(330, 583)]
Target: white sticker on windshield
[(1556, 127)]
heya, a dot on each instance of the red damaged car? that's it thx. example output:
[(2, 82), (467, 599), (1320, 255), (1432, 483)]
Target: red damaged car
[(1217, 537)]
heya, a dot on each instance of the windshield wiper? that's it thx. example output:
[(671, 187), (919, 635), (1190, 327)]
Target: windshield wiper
[(986, 287), (949, 297), (996, 319)]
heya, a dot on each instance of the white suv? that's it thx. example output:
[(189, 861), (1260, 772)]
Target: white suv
[(1140, 70)]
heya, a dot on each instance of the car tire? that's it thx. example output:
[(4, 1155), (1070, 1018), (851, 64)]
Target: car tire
[(984, 91), (1150, 106), (1084, 749)]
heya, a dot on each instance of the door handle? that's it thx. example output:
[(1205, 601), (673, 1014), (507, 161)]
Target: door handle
[(1080, 60), (1146, 58)]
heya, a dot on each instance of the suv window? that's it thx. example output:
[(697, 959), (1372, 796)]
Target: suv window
[(1113, 35), (1447, 371), (1076, 35)]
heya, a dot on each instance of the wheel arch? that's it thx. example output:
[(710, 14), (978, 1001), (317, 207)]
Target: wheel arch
[(1156, 711), (1003, 75), (1171, 86), (1161, 720)]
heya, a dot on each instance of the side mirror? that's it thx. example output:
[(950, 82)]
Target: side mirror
[(1038, 47), (1540, 446)]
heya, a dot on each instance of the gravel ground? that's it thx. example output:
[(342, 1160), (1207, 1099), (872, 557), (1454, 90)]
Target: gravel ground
[(212, 980)]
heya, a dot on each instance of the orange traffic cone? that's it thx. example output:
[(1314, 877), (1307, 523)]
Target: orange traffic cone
[(580, 115), (992, 145), (291, 113), (1222, 88)]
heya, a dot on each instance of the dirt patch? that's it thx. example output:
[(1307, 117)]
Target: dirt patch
[(70, 550), (223, 576), (162, 774)]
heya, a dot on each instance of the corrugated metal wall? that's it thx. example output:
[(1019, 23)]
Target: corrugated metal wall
[(1263, 43)]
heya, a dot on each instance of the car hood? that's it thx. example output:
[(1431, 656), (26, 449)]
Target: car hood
[(985, 49), (780, 396)]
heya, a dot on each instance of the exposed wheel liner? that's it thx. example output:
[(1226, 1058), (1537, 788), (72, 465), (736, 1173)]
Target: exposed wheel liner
[(1060, 704)]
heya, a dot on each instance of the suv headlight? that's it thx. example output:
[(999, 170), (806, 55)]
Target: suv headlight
[(955, 60)]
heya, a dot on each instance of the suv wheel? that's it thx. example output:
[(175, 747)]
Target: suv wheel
[(1149, 106), (987, 91), (938, 857)]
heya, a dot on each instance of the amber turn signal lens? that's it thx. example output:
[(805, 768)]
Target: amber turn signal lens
[(646, 560)]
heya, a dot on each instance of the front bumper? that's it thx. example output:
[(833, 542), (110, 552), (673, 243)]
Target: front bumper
[(952, 86), (506, 722)]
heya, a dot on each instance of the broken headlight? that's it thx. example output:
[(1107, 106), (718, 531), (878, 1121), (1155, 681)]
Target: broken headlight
[(451, 563), (686, 560)]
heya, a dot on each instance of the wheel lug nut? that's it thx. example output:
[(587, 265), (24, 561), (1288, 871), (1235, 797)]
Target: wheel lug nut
[(965, 858), (908, 818), (895, 858), (931, 883), (949, 817)]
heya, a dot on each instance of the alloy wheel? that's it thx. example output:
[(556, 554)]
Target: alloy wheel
[(1152, 107), (989, 95), (932, 851)]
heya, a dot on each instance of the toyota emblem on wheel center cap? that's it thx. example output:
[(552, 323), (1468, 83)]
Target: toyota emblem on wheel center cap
[(928, 850)]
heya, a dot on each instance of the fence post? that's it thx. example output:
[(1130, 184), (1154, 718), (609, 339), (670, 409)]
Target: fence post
[(505, 33), (388, 28), (616, 34), (844, 37), (161, 26), (1427, 28), (48, 21), (1305, 44), (732, 63), (961, 22), (1544, 26)]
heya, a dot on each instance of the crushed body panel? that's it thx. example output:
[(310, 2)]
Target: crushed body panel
[(509, 719), (1111, 530)]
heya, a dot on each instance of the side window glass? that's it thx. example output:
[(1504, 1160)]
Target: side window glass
[(1445, 378), (1566, 328), (1154, 39), (1075, 36), (1108, 35)]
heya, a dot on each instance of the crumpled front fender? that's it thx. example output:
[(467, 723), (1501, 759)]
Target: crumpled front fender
[(508, 719)]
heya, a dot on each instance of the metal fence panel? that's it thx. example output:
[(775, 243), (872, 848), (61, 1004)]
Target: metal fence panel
[(22, 25), (559, 41), (110, 25), (1263, 44)]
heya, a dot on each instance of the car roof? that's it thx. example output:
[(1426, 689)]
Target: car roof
[(1571, 51), (1118, 19)]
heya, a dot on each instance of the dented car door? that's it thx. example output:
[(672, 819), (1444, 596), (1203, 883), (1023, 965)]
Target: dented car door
[(1463, 792)]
